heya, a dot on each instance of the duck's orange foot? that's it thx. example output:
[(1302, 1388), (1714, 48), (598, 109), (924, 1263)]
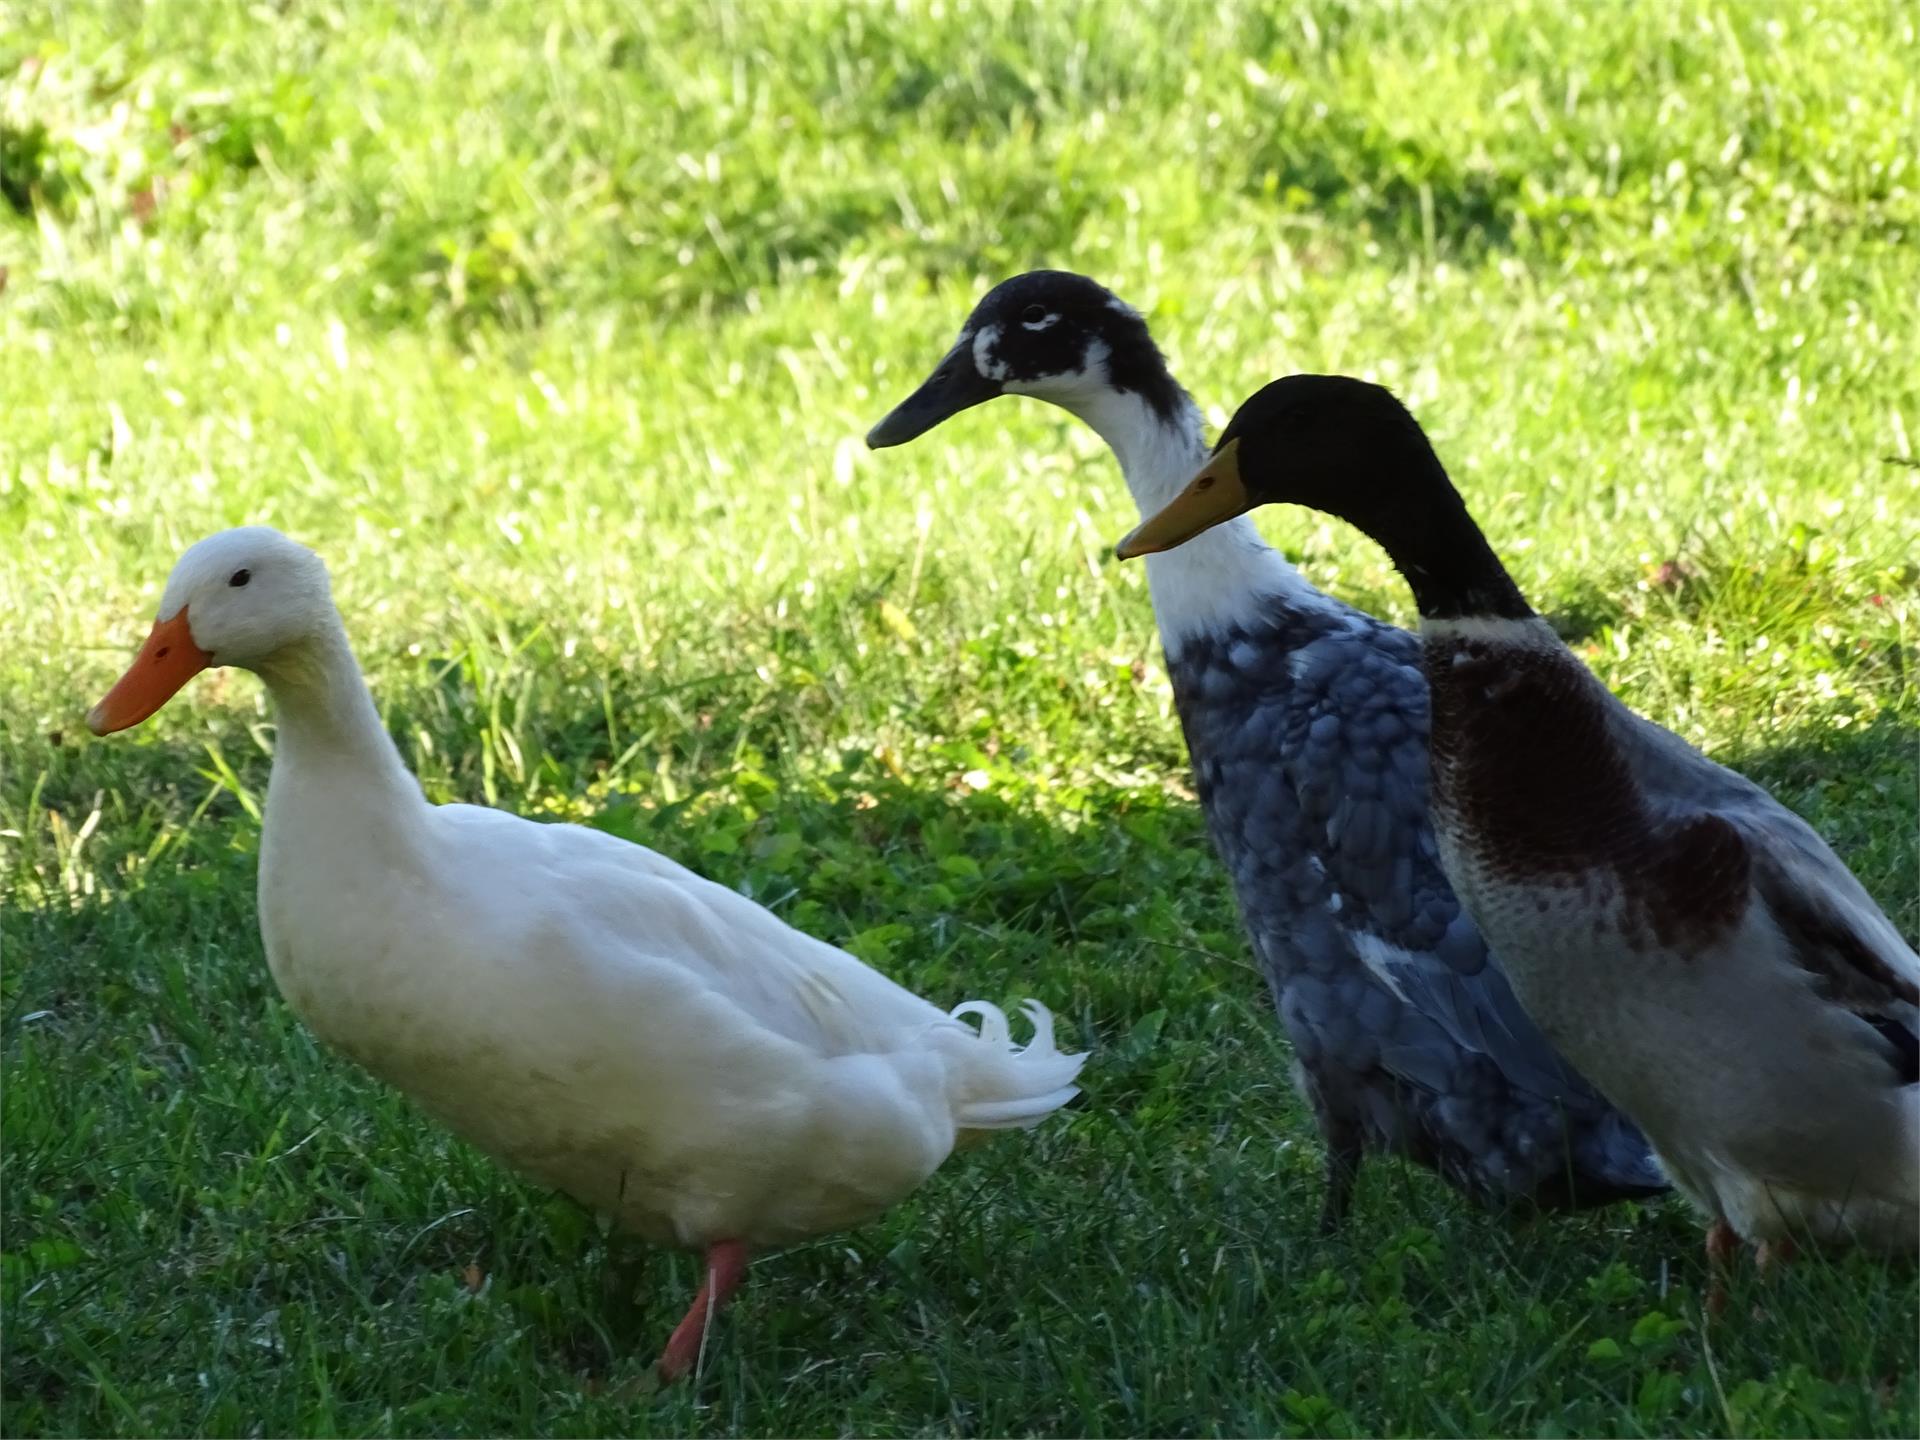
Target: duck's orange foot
[(726, 1267)]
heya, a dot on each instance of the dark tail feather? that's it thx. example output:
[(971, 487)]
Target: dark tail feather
[(1611, 1161)]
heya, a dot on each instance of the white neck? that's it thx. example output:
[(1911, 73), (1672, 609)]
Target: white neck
[(329, 739), (1529, 632), (1216, 579)]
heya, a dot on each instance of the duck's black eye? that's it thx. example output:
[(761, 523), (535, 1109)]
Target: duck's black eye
[(239, 578), (1033, 314)]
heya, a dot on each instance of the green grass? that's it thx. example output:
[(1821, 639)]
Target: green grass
[(555, 328)]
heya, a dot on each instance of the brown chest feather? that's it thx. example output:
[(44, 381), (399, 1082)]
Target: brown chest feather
[(1527, 771)]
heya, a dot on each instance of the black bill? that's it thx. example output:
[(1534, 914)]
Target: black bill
[(955, 385)]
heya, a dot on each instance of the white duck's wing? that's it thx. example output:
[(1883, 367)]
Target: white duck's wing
[(785, 981), (832, 1003), (774, 978)]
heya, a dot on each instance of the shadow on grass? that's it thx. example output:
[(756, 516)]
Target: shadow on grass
[(194, 1186)]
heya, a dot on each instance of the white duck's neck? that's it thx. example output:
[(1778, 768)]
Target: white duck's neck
[(1217, 579), (329, 740)]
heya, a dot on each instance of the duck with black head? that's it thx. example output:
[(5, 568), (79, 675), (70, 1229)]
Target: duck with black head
[(1306, 721), (1686, 940)]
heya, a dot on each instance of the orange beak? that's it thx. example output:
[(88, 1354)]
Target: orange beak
[(166, 662)]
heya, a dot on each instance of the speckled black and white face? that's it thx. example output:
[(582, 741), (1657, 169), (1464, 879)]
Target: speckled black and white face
[(1045, 332), (1048, 333)]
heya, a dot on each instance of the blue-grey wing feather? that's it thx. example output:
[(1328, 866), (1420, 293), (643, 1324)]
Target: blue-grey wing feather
[(1308, 734)]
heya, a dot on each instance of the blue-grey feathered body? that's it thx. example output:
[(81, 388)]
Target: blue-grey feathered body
[(1307, 725)]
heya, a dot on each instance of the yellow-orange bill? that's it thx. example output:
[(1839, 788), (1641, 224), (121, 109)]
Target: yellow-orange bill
[(166, 662), (1214, 495)]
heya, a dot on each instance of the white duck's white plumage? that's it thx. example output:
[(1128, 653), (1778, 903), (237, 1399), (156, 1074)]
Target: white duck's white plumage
[(593, 1014)]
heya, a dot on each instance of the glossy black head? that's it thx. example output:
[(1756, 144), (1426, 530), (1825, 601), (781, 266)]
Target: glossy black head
[(1331, 443), (1049, 334), (1351, 450)]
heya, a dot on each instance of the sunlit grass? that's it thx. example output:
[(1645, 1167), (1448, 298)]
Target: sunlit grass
[(555, 328)]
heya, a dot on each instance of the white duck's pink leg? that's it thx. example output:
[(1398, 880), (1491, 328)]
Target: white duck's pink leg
[(726, 1267)]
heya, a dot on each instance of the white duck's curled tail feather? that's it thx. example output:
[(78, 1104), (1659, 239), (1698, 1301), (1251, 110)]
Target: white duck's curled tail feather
[(997, 1085)]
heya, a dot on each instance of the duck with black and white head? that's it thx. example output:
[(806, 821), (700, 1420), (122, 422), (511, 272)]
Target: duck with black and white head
[(1306, 721)]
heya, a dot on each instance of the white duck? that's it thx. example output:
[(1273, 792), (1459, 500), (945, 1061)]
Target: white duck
[(591, 1013)]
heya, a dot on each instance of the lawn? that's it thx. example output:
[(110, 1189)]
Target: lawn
[(555, 328)]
